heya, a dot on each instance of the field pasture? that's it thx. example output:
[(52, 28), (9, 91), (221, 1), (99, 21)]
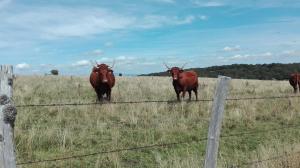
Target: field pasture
[(62, 131)]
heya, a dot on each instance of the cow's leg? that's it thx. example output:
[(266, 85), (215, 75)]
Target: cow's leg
[(183, 92), (99, 96), (108, 94), (196, 93), (295, 89), (178, 95), (190, 94)]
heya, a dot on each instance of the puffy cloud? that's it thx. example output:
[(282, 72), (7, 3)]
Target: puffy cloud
[(267, 54), (252, 56), (203, 17), (165, 1), (23, 66), (108, 44), (291, 53), (121, 58), (61, 22), (155, 21), (97, 52), (81, 63), (201, 3), (234, 48), (245, 3), (239, 57)]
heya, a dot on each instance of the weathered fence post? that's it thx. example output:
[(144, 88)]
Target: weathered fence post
[(216, 122), (8, 114)]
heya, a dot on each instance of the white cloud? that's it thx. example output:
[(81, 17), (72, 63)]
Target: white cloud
[(65, 22), (126, 60), (239, 57), (81, 63), (104, 59), (154, 21), (96, 52), (23, 66), (148, 63), (246, 3), (201, 3), (108, 44), (252, 56), (291, 53), (203, 17), (165, 1), (267, 54), (61, 22), (234, 48)]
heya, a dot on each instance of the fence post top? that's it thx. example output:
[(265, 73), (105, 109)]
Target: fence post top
[(6, 66), (224, 77)]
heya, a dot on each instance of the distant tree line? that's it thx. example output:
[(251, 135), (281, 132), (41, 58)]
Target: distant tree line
[(274, 71)]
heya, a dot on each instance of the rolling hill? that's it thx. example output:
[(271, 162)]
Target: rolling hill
[(276, 71)]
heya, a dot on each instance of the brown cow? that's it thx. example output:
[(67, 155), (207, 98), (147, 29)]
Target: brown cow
[(102, 79), (295, 81), (184, 81)]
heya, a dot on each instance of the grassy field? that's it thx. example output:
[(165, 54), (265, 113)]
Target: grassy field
[(51, 132)]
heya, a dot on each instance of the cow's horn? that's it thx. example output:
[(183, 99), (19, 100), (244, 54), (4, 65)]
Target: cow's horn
[(113, 64), (167, 66), (92, 63), (183, 65)]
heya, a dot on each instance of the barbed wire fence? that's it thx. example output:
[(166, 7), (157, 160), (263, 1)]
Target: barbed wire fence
[(168, 145), (164, 145), (152, 101)]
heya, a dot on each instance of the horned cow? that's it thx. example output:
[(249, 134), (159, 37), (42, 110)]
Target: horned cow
[(184, 81), (102, 80)]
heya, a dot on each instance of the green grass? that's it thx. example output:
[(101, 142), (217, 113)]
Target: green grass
[(51, 132)]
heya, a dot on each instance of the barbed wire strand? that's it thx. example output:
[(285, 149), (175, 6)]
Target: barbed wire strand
[(165, 145), (290, 126), (260, 98), (150, 101), (265, 160), (104, 103), (151, 146)]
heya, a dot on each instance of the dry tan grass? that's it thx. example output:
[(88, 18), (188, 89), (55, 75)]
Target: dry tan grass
[(49, 132)]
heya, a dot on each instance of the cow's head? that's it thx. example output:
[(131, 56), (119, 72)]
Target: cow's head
[(174, 71), (103, 72)]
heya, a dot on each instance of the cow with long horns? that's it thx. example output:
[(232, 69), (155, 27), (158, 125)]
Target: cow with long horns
[(295, 81), (184, 81), (102, 80)]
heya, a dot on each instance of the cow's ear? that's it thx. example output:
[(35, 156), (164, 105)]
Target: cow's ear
[(181, 70), (169, 71)]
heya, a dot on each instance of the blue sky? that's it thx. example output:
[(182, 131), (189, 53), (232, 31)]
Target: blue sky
[(38, 35)]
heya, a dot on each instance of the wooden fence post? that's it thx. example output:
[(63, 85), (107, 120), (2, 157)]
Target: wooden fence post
[(8, 114), (216, 122)]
